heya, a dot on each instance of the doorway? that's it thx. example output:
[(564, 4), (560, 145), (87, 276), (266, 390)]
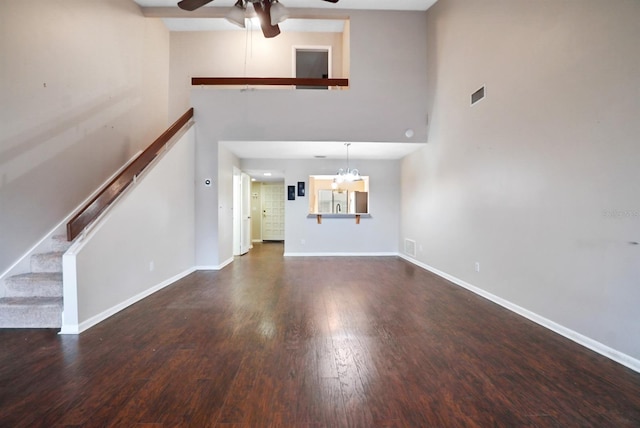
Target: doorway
[(312, 62)]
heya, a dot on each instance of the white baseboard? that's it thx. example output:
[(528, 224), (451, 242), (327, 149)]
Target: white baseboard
[(587, 342), (225, 263), (79, 328), (211, 267), (205, 267), (334, 254)]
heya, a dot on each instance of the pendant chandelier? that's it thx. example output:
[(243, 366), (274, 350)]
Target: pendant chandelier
[(348, 174)]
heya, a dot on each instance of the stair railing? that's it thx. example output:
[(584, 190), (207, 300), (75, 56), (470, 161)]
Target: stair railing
[(110, 192)]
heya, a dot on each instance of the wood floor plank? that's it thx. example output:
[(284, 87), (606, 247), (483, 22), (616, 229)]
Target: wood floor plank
[(308, 343)]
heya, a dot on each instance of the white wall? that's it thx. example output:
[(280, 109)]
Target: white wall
[(84, 86), (387, 95), (538, 182), (377, 235), (153, 223)]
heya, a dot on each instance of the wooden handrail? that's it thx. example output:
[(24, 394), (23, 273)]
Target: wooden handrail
[(267, 81), (111, 191)]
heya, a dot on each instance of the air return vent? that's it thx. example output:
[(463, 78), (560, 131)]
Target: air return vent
[(477, 96), (410, 247)]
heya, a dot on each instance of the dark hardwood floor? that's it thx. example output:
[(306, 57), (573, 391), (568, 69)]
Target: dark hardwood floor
[(311, 342)]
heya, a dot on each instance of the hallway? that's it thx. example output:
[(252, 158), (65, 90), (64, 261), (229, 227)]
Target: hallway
[(311, 342)]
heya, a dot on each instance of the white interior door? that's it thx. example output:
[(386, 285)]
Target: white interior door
[(241, 212), (273, 212), (237, 212), (245, 226)]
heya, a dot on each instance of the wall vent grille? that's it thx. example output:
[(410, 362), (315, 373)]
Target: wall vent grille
[(410, 247), (477, 96)]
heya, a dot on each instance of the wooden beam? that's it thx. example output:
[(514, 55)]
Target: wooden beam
[(266, 81)]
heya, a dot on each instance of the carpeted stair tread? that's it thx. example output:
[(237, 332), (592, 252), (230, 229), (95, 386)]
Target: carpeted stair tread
[(30, 312), (36, 284), (47, 262), (60, 243)]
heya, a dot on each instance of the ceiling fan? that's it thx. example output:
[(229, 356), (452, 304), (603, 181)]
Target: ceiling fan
[(262, 7)]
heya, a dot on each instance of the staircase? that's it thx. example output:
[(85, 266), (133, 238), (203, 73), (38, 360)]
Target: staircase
[(34, 299)]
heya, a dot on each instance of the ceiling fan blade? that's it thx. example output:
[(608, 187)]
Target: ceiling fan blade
[(263, 10), (192, 5), (332, 1)]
